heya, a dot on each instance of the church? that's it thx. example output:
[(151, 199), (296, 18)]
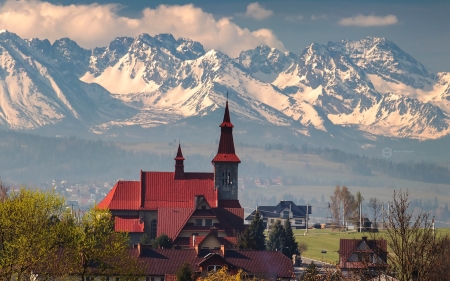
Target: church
[(194, 209)]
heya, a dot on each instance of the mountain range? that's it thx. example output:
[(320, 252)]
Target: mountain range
[(349, 91)]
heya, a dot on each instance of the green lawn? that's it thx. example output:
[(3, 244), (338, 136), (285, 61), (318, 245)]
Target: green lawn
[(328, 240)]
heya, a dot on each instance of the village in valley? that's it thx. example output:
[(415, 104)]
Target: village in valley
[(187, 225)]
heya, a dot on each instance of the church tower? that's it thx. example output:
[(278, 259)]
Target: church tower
[(179, 164), (226, 162)]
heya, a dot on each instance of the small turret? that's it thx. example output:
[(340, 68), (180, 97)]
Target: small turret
[(179, 164)]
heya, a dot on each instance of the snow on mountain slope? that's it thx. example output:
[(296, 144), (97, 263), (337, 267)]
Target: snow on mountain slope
[(384, 58), (265, 63), (371, 84), (34, 93)]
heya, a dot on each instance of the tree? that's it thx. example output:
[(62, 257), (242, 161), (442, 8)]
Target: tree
[(224, 275), (96, 249), (144, 239), (415, 245), (253, 237), (163, 241), (290, 245), (375, 205), (342, 198), (3, 191), (311, 273), (32, 225), (276, 237), (185, 273)]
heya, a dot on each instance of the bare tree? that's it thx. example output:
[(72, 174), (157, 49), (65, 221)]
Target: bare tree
[(375, 206), (342, 203), (3, 191), (413, 241)]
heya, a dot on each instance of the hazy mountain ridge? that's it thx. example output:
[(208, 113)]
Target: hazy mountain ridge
[(370, 84)]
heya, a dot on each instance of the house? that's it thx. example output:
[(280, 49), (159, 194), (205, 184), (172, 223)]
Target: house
[(282, 211), (363, 256), (182, 204), (162, 264)]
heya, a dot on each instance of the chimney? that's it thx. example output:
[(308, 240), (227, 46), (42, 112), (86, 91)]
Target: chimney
[(139, 247), (222, 250)]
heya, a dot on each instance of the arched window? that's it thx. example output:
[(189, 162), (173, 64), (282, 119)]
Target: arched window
[(153, 226), (226, 177)]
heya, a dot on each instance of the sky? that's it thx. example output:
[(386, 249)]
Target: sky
[(421, 28)]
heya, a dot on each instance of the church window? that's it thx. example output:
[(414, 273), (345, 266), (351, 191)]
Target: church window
[(153, 227), (226, 177)]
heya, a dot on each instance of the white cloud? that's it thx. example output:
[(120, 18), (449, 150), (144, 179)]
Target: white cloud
[(255, 11), (361, 20), (319, 17), (96, 25), (294, 18)]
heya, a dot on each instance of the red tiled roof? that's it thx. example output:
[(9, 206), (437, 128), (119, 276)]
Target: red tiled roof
[(348, 246), (264, 264), (171, 220), (231, 219), (128, 224), (226, 151), (125, 195), (268, 264), (162, 190)]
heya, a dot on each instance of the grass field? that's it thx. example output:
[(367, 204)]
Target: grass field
[(328, 240)]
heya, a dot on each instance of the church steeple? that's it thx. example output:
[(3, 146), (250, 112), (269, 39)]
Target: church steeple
[(226, 152), (179, 164), (226, 161)]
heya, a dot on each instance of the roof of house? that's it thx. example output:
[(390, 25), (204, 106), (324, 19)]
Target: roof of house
[(274, 211), (159, 190), (349, 246), (174, 219), (260, 263), (128, 224)]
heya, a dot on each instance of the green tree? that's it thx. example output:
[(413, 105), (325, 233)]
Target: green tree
[(253, 237), (276, 237), (185, 273), (96, 249), (144, 239), (32, 224), (290, 245), (163, 241), (311, 273)]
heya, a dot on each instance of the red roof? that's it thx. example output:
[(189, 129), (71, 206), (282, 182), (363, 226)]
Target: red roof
[(125, 195), (172, 220), (226, 151), (349, 246), (268, 264), (162, 190), (159, 190), (128, 224)]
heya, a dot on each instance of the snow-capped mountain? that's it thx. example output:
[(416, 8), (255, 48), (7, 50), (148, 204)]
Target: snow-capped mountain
[(370, 86)]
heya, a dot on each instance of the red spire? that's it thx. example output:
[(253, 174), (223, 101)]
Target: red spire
[(179, 164), (226, 118), (226, 152), (179, 154)]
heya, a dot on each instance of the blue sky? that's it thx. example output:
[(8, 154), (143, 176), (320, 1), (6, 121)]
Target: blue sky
[(421, 28)]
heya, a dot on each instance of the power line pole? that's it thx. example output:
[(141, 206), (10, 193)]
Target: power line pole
[(307, 216)]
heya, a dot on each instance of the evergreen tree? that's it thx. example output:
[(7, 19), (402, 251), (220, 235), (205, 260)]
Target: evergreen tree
[(185, 273), (276, 237), (290, 245), (163, 241), (253, 237)]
